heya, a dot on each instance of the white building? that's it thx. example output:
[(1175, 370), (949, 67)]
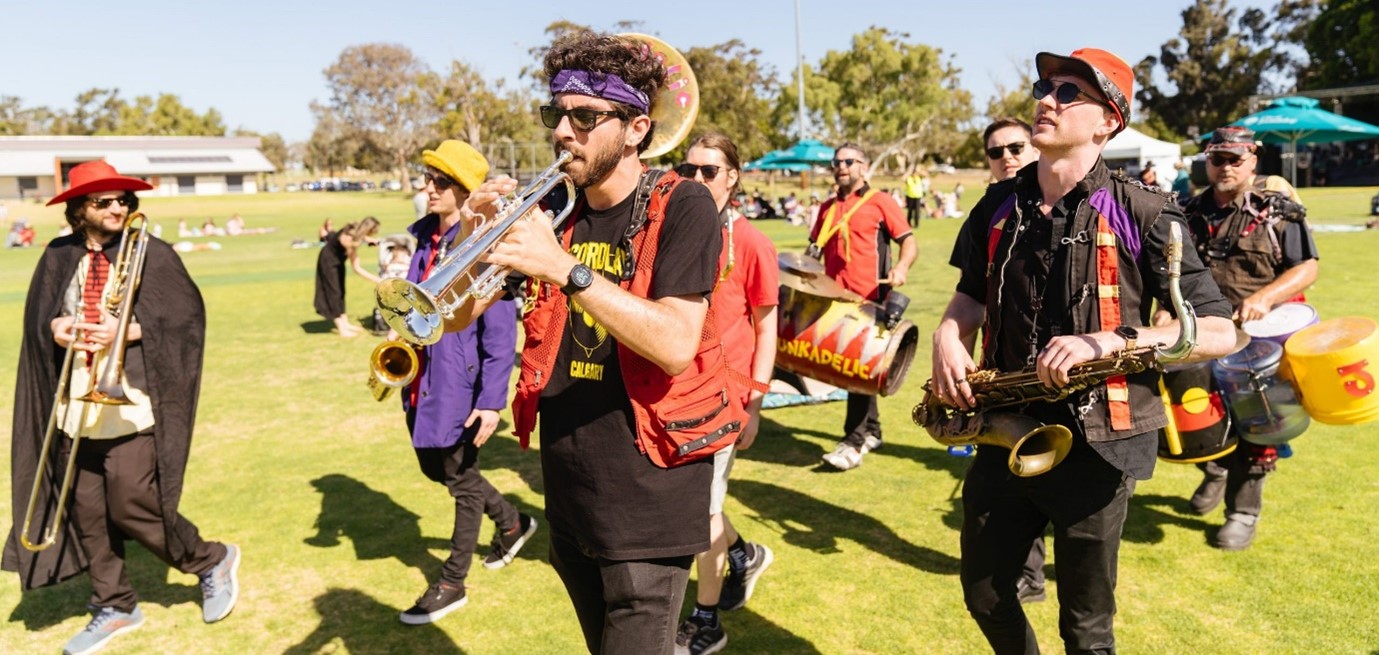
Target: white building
[(37, 166)]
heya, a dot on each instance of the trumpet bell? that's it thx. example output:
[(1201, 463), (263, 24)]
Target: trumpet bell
[(410, 310), (392, 365)]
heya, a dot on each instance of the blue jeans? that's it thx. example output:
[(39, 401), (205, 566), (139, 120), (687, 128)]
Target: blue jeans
[(624, 607)]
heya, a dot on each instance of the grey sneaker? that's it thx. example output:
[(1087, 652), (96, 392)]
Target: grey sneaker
[(107, 623), (438, 600), (845, 456), (737, 589), (695, 638), (506, 544), (220, 587)]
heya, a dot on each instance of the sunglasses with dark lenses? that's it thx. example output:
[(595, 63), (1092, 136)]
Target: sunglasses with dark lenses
[(439, 181), (688, 171), (104, 203), (1064, 93), (582, 118), (1225, 160), (997, 152), (847, 163)]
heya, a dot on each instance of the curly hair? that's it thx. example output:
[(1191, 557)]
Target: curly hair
[(76, 208), (605, 53)]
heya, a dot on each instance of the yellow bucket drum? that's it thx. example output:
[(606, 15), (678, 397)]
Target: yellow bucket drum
[(1334, 364)]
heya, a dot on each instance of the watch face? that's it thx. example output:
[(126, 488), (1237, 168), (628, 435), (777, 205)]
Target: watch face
[(582, 276)]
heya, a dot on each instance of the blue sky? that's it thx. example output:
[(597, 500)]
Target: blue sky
[(259, 63)]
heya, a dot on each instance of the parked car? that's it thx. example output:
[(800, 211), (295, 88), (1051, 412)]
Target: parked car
[(391, 185)]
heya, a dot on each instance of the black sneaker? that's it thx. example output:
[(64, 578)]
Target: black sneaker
[(737, 589), (440, 599), (1027, 591), (696, 638), (506, 544)]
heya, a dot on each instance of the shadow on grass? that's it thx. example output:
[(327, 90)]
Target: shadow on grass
[(810, 523), (364, 625), (320, 326), (1145, 521), (781, 444), (46, 607), (378, 527)]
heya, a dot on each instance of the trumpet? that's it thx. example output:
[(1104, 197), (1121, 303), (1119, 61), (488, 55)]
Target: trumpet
[(393, 365), (417, 312), (108, 389)]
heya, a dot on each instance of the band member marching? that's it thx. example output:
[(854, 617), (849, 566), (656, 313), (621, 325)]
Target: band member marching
[(1058, 266), (1260, 251), (130, 458)]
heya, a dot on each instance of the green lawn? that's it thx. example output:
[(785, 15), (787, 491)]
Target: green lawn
[(294, 462)]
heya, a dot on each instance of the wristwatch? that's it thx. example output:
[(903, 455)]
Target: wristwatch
[(1131, 336), (581, 277)]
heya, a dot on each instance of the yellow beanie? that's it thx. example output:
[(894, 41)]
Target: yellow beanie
[(460, 161)]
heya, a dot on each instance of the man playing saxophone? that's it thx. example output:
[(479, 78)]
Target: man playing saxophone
[(131, 458), (1059, 267)]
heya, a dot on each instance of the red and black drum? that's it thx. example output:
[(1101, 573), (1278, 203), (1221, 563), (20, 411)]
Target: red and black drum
[(1199, 426)]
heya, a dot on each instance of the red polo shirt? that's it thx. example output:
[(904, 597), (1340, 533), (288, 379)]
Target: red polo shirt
[(753, 282), (859, 253)]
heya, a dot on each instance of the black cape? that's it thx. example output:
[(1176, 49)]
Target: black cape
[(169, 308)]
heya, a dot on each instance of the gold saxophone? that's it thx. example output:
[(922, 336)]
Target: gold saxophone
[(1035, 448)]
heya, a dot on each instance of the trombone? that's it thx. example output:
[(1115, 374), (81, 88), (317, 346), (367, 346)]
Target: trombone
[(108, 389)]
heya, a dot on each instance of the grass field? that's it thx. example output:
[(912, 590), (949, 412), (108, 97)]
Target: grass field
[(294, 462)]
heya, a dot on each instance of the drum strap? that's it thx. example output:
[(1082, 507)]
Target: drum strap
[(1108, 299), (840, 228)]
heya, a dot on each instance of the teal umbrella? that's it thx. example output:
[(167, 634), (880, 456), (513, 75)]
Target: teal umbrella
[(1295, 119), (799, 157)]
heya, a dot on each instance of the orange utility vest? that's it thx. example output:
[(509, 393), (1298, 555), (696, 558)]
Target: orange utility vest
[(678, 419)]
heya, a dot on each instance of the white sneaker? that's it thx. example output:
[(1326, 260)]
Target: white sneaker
[(845, 456), (872, 442)]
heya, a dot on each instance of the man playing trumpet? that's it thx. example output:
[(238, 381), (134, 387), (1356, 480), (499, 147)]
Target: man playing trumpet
[(130, 458), (616, 313)]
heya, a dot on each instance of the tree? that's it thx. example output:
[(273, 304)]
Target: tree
[(382, 91), (735, 96), (166, 116), (97, 112), (1343, 45), (272, 145), (482, 114), (900, 100), (1214, 65), (1016, 102), (333, 145), (18, 120)]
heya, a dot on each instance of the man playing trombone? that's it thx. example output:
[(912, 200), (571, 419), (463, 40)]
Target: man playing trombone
[(129, 458)]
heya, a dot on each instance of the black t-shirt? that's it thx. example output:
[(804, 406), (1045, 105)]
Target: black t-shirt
[(1034, 306), (599, 487)]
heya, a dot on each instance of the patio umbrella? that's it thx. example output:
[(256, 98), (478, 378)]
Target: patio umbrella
[(1296, 119), (799, 157)]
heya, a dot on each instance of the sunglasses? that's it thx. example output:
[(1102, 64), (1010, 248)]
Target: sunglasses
[(1064, 93), (441, 182), (996, 152), (581, 118), (688, 171), (846, 163), (1225, 160), (104, 203)]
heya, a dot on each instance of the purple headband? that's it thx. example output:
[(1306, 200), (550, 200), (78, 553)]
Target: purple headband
[(599, 85)]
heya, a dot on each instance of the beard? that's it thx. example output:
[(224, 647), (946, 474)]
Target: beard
[(585, 171)]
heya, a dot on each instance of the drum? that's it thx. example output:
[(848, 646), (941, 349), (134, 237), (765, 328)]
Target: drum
[(843, 341), (1264, 406), (1333, 364), (1199, 427), (1282, 322)]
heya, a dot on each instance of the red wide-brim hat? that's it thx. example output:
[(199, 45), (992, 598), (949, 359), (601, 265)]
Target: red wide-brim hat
[(95, 177)]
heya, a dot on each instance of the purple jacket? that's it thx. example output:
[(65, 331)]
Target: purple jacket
[(464, 370)]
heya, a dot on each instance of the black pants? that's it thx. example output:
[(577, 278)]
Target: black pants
[(863, 418), (624, 607), (457, 467), (1085, 499), (115, 498), (1244, 489), (912, 214)]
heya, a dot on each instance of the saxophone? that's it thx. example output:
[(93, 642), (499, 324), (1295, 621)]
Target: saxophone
[(1035, 448)]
